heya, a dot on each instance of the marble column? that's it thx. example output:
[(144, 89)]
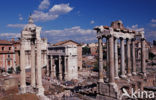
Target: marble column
[(128, 43), (111, 59), (60, 68), (47, 72), (22, 67), (100, 46), (66, 70), (133, 58), (52, 67), (122, 46), (116, 58), (143, 58), (39, 69), (33, 83)]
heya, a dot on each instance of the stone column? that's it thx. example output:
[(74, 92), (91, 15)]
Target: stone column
[(111, 59), (47, 72), (143, 59), (33, 83), (100, 46), (22, 67), (133, 58), (60, 68), (122, 46), (116, 58), (66, 70), (107, 61), (128, 43), (52, 67), (39, 69)]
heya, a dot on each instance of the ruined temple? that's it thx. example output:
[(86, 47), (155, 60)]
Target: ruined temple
[(122, 72)]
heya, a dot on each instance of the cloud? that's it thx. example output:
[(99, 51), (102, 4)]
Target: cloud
[(60, 9), (153, 25), (136, 28), (53, 13), (153, 20), (44, 5), (20, 17), (16, 25), (9, 35), (75, 33), (92, 22)]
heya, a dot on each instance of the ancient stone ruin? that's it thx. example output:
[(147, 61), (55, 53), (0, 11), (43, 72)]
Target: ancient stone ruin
[(32, 43), (126, 75)]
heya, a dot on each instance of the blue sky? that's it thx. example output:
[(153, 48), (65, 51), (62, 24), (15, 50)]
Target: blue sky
[(75, 19)]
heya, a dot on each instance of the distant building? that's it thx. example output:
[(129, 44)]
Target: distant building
[(79, 50), (9, 54)]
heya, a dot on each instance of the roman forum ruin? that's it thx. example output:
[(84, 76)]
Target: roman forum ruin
[(62, 62), (32, 54), (125, 75)]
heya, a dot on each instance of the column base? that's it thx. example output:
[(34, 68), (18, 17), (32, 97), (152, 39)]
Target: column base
[(116, 77), (134, 73), (123, 76), (101, 80), (40, 91), (23, 89), (129, 75)]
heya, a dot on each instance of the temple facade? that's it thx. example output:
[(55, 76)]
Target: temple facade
[(32, 55)]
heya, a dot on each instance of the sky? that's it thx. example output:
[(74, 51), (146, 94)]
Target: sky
[(75, 19)]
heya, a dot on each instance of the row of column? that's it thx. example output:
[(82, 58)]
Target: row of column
[(112, 58), (36, 68), (51, 67)]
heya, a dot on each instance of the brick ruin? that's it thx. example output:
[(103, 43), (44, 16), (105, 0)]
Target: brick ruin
[(122, 71)]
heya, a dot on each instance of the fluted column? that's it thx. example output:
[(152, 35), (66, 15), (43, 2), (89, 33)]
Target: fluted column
[(33, 80), (65, 66), (100, 46), (133, 58), (111, 59), (122, 46), (143, 58), (116, 57), (22, 67), (60, 68), (39, 69), (128, 43)]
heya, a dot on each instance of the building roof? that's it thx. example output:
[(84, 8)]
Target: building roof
[(5, 42), (64, 42)]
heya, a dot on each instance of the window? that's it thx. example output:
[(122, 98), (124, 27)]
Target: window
[(9, 48), (2, 48)]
